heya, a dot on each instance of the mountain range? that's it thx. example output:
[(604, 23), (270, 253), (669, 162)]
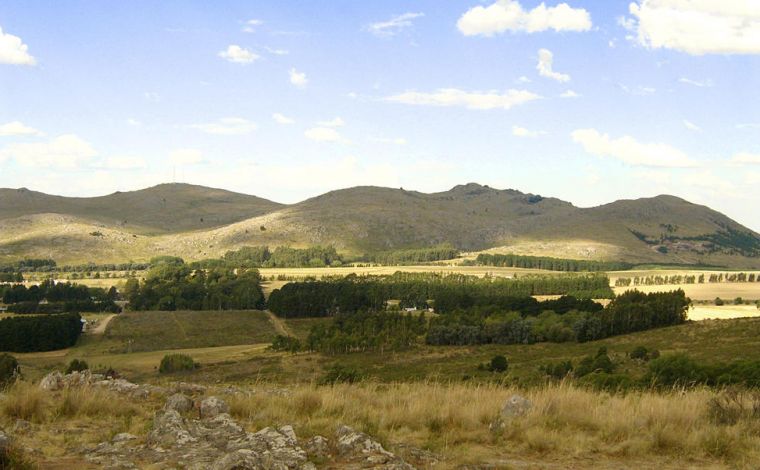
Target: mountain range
[(198, 222)]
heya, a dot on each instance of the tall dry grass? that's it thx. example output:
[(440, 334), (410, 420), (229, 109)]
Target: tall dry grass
[(565, 420)]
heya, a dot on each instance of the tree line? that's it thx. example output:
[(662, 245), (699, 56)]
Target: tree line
[(40, 333), (551, 264), (412, 256), (445, 293), (58, 297), (661, 280), (176, 286)]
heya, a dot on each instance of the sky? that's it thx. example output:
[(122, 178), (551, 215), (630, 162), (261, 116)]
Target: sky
[(588, 101)]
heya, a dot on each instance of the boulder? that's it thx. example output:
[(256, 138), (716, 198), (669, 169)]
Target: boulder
[(516, 406), (123, 437), (179, 402), (213, 406), (357, 447), (242, 459), (52, 382), (170, 429), (317, 447)]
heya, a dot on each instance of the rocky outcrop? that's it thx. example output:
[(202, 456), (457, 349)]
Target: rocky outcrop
[(55, 381), (218, 442), (179, 402)]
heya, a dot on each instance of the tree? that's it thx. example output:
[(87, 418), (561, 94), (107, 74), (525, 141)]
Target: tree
[(499, 364)]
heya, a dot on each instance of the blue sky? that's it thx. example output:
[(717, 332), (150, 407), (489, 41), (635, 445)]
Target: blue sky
[(589, 101)]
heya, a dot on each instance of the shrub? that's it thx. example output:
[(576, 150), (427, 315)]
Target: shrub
[(176, 363), (676, 369), (718, 301), (286, 343), (340, 374), (639, 352), (609, 382), (499, 364), (558, 371), (738, 301), (77, 365), (9, 369)]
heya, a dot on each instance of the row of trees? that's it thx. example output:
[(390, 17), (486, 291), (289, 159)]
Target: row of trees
[(175, 286), (52, 297), (280, 257), (11, 276), (661, 280), (40, 333), (367, 331), (445, 293), (552, 264)]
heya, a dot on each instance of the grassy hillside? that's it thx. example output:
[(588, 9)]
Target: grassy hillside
[(196, 222)]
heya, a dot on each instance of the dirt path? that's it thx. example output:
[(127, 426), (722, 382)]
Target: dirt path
[(102, 324), (279, 326)]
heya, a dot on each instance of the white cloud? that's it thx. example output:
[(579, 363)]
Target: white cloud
[(324, 134), (523, 132), (250, 25), (470, 100), (227, 126), (544, 66), (17, 128), (523, 79), (13, 51), (638, 91), (698, 27), (569, 94), (186, 156), (691, 126), (753, 177), (744, 158), (65, 151), (238, 55), (509, 15), (282, 119), (298, 78), (386, 140), (697, 83), (395, 25), (276, 51), (336, 122), (125, 163), (631, 151)]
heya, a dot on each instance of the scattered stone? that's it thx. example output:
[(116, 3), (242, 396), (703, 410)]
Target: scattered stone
[(213, 406), (21, 426), (179, 402), (170, 429), (189, 388), (123, 437)]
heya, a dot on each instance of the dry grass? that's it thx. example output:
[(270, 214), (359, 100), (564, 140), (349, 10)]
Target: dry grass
[(93, 401), (565, 422), (25, 401)]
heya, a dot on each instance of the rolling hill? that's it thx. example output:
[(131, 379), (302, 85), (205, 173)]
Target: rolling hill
[(197, 222)]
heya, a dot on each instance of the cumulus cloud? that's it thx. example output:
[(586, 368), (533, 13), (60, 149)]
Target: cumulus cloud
[(569, 94), (544, 66), (523, 132), (250, 25), (17, 128), (394, 25), (324, 134), (186, 156), (509, 15), (65, 151), (629, 150), (336, 122), (466, 99), (691, 126), (238, 55), (298, 78), (282, 119), (698, 27), (744, 158), (13, 51), (227, 126)]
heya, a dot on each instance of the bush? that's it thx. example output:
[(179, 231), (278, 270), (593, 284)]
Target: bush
[(176, 363), (738, 301), (608, 382), (340, 374), (676, 369), (9, 369), (77, 365), (718, 301), (639, 352), (558, 371), (286, 343), (499, 364)]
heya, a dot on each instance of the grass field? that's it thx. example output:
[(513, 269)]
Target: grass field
[(704, 292)]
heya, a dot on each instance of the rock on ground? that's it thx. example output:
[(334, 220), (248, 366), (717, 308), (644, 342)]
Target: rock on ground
[(213, 406)]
